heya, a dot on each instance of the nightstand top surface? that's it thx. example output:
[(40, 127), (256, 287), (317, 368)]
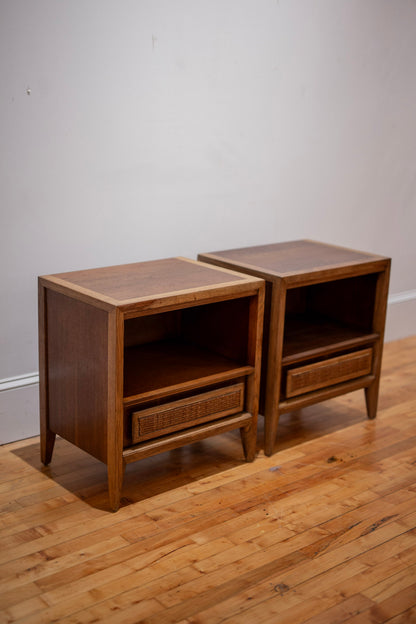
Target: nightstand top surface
[(127, 283), (292, 258)]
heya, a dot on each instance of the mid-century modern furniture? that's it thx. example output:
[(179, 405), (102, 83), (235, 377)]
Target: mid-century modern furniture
[(324, 323), (142, 358)]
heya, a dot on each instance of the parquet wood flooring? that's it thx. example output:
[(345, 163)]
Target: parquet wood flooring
[(322, 532)]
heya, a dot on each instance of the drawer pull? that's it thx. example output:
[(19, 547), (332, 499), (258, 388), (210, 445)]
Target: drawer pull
[(329, 372), (162, 419)]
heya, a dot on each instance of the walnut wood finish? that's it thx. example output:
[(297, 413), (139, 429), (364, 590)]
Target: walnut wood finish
[(117, 339), (322, 532), (321, 301)]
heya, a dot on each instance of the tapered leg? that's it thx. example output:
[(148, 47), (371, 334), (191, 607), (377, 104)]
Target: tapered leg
[(115, 462), (371, 399), (249, 432), (47, 442), (270, 430), (248, 440), (380, 306), (274, 366), (47, 437), (115, 484)]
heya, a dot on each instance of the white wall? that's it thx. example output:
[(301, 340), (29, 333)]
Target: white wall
[(141, 129)]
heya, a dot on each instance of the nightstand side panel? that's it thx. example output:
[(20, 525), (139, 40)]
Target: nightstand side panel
[(77, 372)]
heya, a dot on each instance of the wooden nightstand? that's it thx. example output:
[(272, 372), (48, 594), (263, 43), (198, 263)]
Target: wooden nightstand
[(324, 323), (142, 358)]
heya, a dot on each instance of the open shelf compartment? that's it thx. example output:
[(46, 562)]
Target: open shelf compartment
[(163, 368), (330, 317), (185, 349), (308, 337)]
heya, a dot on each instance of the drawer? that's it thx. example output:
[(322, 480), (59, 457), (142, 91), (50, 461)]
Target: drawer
[(163, 419), (329, 372)]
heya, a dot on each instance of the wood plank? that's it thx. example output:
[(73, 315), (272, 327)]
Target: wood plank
[(323, 531), (405, 617), (387, 588), (403, 602)]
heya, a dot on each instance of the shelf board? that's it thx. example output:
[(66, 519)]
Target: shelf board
[(162, 368), (187, 436), (317, 396), (309, 337)]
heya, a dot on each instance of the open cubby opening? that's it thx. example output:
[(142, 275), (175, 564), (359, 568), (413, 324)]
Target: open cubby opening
[(196, 346), (328, 317)]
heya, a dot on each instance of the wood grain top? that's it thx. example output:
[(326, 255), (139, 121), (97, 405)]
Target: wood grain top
[(291, 258), (158, 278)]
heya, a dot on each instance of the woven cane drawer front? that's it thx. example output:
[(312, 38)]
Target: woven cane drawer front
[(329, 372), (189, 412)]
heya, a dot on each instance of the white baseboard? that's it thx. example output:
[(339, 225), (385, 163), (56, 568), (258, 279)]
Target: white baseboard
[(21, 381), (19, 396), (401, 316), (402, 297), (19, 412)]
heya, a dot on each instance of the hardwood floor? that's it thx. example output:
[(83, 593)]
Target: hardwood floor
[(322, 532)]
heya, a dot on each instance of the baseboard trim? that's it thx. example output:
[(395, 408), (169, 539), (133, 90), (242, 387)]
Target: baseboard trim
[(21, 381), (402, 297)]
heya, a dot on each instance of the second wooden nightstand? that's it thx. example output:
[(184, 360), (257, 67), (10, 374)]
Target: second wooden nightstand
[(324, 323)]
